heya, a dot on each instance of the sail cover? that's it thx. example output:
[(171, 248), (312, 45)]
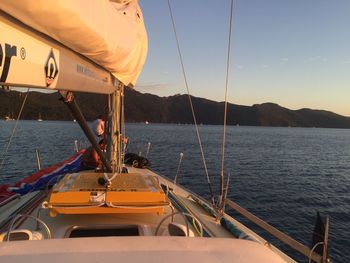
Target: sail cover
[(110, 33)]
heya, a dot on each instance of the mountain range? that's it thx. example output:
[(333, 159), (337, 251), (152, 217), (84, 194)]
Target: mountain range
[(140, 107)]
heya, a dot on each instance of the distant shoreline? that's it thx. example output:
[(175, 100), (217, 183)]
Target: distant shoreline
[(140, 108), (180, 124)]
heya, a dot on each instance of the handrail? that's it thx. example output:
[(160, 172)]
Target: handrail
[(18, 216), (276, 233), (9, 199), (26, 208)]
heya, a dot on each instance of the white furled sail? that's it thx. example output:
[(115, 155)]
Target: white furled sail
[(109, 33)]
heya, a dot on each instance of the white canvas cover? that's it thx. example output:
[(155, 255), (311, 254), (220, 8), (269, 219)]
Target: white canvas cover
[(110, 33)]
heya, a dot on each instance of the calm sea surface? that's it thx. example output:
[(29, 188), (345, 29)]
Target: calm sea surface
[(282, 175)]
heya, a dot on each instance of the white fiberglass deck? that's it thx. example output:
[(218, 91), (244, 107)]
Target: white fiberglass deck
[(138, 249)]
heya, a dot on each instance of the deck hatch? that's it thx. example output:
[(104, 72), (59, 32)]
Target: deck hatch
[(128, 193), (129, 230)]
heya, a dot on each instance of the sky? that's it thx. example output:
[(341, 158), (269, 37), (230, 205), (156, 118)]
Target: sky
[(295, 53)]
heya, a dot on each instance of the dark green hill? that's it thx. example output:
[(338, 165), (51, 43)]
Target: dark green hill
[(141, 107)]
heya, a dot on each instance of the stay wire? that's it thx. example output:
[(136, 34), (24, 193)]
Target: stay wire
[(13, 131), (225, 111), (191, 105)]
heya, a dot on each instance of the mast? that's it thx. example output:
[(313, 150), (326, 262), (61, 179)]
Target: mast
[(114, 128)]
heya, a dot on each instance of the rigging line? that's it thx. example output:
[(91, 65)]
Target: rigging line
[(191, 105), (13, 131), (225, 111)]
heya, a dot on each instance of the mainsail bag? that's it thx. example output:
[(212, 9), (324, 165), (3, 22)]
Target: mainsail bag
[(110, 33)]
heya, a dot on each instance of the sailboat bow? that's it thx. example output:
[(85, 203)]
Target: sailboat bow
[(118, 212)]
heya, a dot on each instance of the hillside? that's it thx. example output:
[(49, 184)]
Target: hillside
[(141, 107)]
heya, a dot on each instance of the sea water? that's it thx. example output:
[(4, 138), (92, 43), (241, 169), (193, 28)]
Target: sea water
[(282, 175)]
